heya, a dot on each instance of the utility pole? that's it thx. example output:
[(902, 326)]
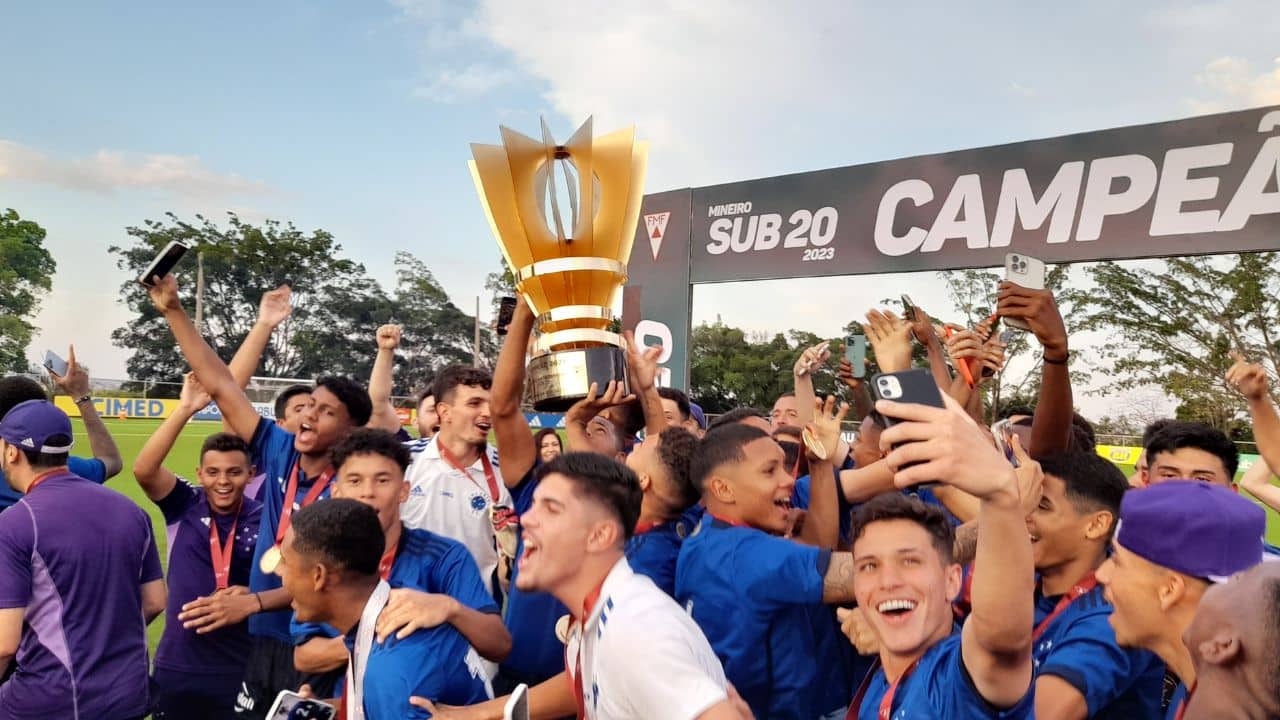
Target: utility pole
[(475, 357), (200, 293)]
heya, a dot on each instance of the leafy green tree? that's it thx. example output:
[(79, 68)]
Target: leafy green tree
[(26, 273), (1175, 327), (337, 305), (436, 332)]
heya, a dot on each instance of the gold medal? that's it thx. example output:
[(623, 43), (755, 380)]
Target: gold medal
[(270, 560), (814, 445), (562, 628)]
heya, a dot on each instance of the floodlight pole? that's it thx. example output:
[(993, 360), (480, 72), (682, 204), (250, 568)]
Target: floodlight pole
[(475, 357), (200, 293)]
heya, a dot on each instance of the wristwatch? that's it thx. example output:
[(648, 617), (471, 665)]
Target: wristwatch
[(84, 399)]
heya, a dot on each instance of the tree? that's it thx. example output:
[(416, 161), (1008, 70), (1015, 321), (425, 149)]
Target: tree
[(26, 273), (729, 369), (337, 305), (436, 332), (1175, 327)]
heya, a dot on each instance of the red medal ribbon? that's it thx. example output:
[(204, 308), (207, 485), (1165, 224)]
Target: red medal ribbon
[(41, 478), (484, 461), (1182, 706), (645, 526), (388, 559), (588, 605), (1087, 583), (220, 554), (886, 703), (292, 493)]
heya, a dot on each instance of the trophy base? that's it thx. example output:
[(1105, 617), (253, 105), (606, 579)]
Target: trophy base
[(558, 380)]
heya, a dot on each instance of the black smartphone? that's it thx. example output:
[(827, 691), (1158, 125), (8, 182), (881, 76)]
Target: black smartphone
[(908, 386), (164, 263), (55, 364), (506, 311), (855, 351)]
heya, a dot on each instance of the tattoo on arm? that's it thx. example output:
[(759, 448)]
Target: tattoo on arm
[(837, 584)]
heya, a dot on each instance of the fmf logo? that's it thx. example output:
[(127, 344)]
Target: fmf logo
[(738, 230), (655, 226)]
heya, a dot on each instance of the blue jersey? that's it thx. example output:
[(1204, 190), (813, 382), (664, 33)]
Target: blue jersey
[(427, 562), (434, 663), (536, 653), (91, 469), (751, 593), (1080, 647), (800, 499), (939, 687), (653, 553), (1180, 696), (274, 456)]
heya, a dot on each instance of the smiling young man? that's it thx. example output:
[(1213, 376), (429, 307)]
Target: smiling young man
[(631, 653), (329, 565), (298, 472), (753, 592), (1191, 451), (1080, 669), (457, 488), (213, 530), (435, 579), (1174, 540), (80, 579), (905, 578)]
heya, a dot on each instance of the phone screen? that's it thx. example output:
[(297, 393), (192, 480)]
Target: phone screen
[(292, 706), (506, 310), (164, 263), (55, 364)]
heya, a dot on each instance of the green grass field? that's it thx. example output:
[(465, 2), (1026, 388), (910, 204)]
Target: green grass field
[(131, 434)]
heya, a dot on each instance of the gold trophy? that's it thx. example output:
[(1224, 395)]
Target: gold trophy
[(569, 269)]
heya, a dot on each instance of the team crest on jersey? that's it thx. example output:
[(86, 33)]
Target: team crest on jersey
[(477, 502)]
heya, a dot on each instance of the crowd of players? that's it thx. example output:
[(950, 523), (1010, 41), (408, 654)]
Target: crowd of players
[(648, 566)]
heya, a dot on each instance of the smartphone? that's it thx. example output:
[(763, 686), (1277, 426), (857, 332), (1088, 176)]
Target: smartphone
[(517, 707), (855, 351), (164, 263), (1027, 272), (506, 310), (909, 386), (292, 706), (55, 364), (1002, 431), (908, 308)]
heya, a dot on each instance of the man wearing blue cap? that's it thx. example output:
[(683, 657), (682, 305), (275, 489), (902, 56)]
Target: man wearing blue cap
[(79, 578), (1174, 541)]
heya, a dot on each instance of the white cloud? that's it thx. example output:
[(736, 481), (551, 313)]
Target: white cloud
[(108, 171), (1235, 85), (450, 86)]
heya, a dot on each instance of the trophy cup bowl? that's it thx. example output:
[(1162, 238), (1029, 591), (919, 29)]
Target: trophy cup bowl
[(569, 267)]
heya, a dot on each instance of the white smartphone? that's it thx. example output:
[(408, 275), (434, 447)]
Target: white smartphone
[(55, 364), (164, 263), (292, 706), (1024, 271), (517, 707)]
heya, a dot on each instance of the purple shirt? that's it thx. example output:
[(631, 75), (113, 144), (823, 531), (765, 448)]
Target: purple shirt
[(75, 555), (186, 517)]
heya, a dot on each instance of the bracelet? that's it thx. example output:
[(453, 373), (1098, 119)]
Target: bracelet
[(84, 399), (261, 607), (1063, 361)]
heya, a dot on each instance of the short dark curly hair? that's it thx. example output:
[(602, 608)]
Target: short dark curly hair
[(352, 394), (371, 441), (225, 442), (345, 533), (675, 451), (896, 506)]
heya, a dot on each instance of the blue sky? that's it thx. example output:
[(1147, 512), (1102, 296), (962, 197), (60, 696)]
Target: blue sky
[(355, 117)]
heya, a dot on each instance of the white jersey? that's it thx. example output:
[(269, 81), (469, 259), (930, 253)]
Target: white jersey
[(643, 656), (447, 502)]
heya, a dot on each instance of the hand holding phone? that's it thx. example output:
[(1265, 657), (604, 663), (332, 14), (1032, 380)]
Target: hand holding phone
[(1027, 272), (908, 386), (292, 706), (55, 364), (506, 311), (163, 263), (517, 707), (855, 351)]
